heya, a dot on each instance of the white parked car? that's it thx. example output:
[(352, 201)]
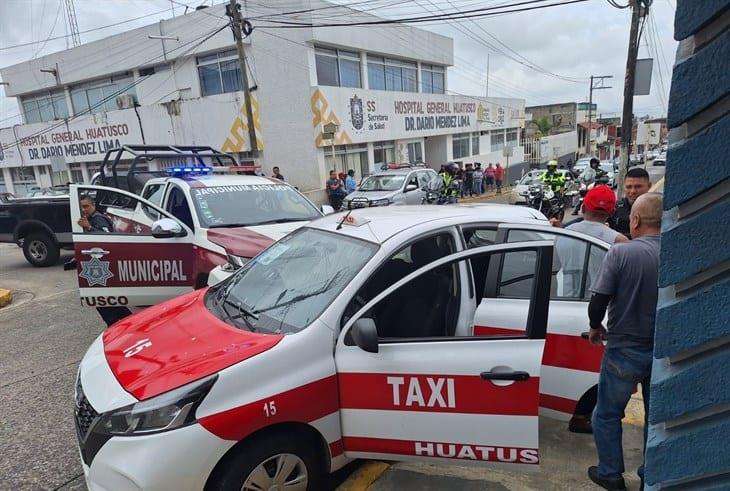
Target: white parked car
[(432, 334)]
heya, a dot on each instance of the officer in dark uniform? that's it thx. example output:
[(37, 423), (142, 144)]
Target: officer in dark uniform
[(636, 183), (91, 220)]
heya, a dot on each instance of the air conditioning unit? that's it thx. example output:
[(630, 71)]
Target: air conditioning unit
[(125, 101)]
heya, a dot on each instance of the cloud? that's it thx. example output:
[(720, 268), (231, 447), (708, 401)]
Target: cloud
[(575, 40)]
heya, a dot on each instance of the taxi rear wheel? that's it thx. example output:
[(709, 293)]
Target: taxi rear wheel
[(272, 461)]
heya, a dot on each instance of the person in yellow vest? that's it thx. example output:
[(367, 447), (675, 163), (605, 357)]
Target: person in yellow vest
[(551, 177)]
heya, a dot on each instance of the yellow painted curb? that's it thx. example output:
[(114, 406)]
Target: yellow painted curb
[(6, 296), (364, 476)]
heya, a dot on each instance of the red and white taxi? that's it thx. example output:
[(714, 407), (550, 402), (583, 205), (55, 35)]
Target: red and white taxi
[(167, 240), (407, 333)]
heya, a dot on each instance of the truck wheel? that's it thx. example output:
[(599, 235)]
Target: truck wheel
[(271, 461), (40, 250)]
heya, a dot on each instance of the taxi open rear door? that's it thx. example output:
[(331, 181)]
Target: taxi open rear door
[(445, 398)]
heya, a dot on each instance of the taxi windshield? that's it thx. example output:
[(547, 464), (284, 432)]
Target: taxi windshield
[(382, 183), (247, 205), (287, 286)]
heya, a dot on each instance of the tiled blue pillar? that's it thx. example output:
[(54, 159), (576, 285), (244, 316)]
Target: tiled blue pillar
[(689, 414)]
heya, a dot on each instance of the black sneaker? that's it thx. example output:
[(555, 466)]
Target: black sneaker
[(615, 484), (580, 424)]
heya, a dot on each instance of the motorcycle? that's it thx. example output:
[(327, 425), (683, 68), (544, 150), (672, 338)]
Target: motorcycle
[(436, 193), (540, 197), (584, 188)]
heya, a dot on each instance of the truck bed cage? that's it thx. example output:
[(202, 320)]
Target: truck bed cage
[(133, 180)]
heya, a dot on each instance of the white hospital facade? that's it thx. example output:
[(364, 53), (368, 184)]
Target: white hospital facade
[(385, 87)]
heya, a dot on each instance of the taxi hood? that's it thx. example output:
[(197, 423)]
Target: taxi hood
[(175, 343), (249, 241)]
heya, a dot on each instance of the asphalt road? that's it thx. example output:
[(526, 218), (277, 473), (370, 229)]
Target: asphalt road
[(43, 335)]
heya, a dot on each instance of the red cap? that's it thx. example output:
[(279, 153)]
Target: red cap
[(600, 198)]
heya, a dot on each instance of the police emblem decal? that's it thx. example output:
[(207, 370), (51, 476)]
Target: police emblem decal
[(95, 271), (356, 113)]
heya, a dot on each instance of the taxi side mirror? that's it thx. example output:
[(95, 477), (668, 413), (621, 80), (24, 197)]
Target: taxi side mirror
[(166, 228), (365, 335), (411, 187)]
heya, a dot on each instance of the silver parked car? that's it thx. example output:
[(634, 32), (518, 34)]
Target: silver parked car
[(399, 186)]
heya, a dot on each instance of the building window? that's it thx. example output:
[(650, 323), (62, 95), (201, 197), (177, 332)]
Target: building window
[(383, 153), (75, 173), (432, 79), (45, 107), (22, 176), (512, 137), (3, 188), (348, 157), (219, 73), (415, 152), (391, 74), (337, 68), (475, 143), (496, 138), (460, 145), (101, 95)]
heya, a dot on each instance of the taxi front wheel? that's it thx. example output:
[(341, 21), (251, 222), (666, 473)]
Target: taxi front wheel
[(269, 462)]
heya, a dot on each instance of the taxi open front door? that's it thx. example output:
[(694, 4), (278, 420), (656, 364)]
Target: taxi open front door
[(446, 398), (127, 264)]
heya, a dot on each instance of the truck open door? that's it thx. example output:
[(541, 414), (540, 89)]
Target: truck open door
[(124, 264)]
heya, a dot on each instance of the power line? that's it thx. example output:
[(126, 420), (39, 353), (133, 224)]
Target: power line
[(468, 14), (3, 48), (103, 101)]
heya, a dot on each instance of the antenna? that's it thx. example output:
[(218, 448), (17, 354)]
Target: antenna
[(72, 23), (339, 225)]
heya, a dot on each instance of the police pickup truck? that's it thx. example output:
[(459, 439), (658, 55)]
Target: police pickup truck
[(40, 225), (171, 227)]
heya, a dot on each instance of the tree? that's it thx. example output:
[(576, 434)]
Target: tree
[(543, 125)]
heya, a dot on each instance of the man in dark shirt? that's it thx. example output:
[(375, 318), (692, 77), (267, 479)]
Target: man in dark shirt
[(91, 220), (627, 286), (276, 174), (636, 183)]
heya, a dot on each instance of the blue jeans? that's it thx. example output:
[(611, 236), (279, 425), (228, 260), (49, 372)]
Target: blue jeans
[(621, 370), (477, 188)]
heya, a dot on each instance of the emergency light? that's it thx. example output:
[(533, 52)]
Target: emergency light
[(195, 169)]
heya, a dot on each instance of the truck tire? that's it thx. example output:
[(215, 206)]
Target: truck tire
[(40, 250)]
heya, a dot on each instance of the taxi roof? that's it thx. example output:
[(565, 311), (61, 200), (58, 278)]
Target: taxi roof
[(378, 224)]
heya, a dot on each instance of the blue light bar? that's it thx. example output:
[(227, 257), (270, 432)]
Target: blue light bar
[(196, 169)]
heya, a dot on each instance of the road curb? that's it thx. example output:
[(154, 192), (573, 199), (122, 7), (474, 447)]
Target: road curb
[(364, 476), (6, 296)]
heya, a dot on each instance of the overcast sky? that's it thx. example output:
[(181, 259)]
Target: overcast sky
[(573, 41)]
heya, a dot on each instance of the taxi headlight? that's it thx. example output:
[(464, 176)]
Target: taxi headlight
[(165, 412), (234, 263)]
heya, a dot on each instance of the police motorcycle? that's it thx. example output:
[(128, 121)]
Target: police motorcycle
[(601, 178), (542, 198), (438, 194)]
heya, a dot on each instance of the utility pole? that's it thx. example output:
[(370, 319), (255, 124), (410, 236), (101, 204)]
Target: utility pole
[(237, 25), (487, 90), (597, 83), (627, 118)]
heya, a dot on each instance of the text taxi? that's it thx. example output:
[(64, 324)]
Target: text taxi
[(166, 241), (352, 337)]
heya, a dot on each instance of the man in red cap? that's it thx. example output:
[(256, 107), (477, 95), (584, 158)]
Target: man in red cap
[(598, 206)]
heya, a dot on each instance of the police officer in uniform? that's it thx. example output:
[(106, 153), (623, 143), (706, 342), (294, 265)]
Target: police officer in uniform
[(551, 177), (93, 221), (636, 183)]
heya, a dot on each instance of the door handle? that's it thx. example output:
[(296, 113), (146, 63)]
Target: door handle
[(519, 376), (91, 252)]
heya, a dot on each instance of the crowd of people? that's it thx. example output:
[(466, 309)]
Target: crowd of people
[(476, 180)]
